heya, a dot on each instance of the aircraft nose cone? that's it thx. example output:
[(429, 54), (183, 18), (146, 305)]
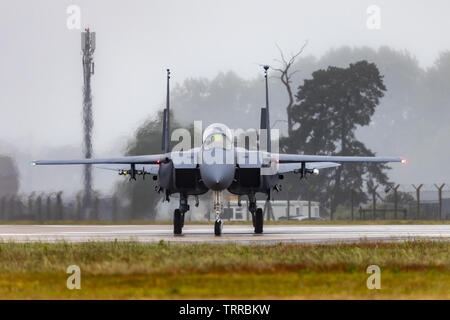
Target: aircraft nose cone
[(217, 176)]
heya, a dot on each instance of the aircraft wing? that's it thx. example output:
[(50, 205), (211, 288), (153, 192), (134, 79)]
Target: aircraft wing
[(289, 167), (293, 158), (148, 159)]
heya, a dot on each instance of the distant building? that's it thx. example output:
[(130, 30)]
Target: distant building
[(297, 208)]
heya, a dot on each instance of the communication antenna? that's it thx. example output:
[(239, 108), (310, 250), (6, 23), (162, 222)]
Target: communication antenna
[(87, 48), (269, 141)]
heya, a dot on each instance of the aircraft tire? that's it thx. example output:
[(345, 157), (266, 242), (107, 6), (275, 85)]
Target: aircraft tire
[(218, 228), (259, 221), (177, 222)]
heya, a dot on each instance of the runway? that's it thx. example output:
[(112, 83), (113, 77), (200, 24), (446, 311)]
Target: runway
[(231, 233)]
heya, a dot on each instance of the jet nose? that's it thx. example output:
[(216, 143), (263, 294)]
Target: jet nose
[(217, 176)]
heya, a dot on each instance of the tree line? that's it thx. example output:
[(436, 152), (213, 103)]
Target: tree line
[(343, 102)]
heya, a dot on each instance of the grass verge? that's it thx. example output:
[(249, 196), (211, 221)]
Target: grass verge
[(410, 269)]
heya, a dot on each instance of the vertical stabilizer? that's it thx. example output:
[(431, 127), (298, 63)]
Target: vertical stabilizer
[(166, 118)]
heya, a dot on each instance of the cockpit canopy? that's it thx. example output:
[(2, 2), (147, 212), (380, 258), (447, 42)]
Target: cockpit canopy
[(217, 140), (217, 135)]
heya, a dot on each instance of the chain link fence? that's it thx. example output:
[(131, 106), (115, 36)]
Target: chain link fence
[(53, 207), (406, 202)]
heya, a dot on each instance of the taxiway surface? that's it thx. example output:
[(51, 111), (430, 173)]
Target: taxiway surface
[(231, 233)]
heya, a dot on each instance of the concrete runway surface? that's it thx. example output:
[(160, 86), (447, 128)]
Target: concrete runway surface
[(231, 233)]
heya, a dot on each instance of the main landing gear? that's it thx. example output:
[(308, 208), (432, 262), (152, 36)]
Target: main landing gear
[(178, 215), (258, 221), (178, 221), (257, 215)]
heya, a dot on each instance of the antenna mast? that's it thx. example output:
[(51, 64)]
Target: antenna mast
[(88, 48)]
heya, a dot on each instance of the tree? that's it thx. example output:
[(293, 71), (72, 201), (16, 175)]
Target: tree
[(285, 76), (438, 83), (140, 194), (9, 177), (403, 198), (219, 100), (329, 108)]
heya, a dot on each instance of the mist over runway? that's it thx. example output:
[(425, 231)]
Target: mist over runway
[(242, 234)]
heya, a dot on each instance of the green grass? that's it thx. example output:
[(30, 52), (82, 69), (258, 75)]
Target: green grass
[(416, 269)]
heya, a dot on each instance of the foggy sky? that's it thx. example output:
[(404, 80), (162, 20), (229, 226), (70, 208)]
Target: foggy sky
[(41, 71)]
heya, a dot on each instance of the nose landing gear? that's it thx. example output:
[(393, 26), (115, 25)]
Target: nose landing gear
[(218, 208), (218, 227)]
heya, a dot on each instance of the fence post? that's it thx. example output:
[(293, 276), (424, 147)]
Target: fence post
[(79, 212), (309, 202), (95, 208), (39, 208), (288, 209), (114, 208), (30, 206), (5, 207), (331, 203), (12, 208), (2, 208), (352, 199), (48, 209), (440, 198), (59, 206), (374, 202), (288, 213), (265, 211), (268, 209), (247, 211), (19, 207), (396, 201), (418, 199)]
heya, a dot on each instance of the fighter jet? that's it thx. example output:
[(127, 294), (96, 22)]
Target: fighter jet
[(218, 165)]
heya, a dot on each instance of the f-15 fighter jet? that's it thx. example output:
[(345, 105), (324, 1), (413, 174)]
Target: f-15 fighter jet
[(219, 165)]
